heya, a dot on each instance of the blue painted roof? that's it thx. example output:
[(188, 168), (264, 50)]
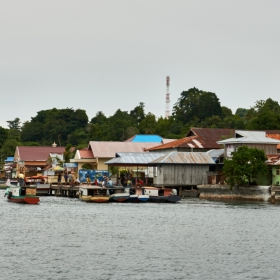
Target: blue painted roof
[(9, 159), (147, 138)]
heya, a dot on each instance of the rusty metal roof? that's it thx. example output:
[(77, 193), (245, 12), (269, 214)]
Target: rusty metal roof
[(274, 136), (199, 138), (184, 158), (273, 160)]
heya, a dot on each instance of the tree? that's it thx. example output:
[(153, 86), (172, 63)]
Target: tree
[(245, 165), (196, 105), (9, 147), (226, 112), (241, 112), (14, 124), (3, 135), (138, 113), (148, 124)]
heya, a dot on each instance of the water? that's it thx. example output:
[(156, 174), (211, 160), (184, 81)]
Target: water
[(65, 238)]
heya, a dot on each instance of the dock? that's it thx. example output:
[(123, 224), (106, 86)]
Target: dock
[(64, 191)]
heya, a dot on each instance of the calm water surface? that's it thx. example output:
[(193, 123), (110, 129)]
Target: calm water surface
[(66, 238)]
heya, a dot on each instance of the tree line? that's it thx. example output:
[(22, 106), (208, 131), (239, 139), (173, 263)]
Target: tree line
[(194, 108)]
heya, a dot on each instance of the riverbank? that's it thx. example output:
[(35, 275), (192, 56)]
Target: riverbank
[(253, 193)]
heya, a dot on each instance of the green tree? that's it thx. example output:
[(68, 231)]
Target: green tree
[(241, 112), (138, 114), (3, 135), (14, 124), (196, 105), (245, 165), (9, 147), (226, 112), (148, 124)]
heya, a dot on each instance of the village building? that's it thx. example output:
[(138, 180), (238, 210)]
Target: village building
[(251, 139), (98, 152), (31, 160), (205, 139), (196, 140)]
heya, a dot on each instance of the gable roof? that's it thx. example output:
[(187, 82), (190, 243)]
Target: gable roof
[(84, 154), (145, 138), (103, 149), (246, 137), (199, 138), (133, 159), (274, 136), (184, 158), (36, 153)]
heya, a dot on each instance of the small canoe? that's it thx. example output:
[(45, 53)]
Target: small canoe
[(86, 198), (100, 199)]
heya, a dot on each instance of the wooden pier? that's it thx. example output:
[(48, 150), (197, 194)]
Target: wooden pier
[(64, 191)]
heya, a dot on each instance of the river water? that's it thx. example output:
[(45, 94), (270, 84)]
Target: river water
[(64, 238)]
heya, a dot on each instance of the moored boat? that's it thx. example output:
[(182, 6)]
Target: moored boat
[(162, 194), (138, 198), (93, 194), (42, 188), (25, 194), (119, 194)]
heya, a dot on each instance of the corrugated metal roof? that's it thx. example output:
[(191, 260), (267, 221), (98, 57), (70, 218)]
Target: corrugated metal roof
[(183, 142), (273, 160), (216, 153), (36, 153), (274, 136), (199, 138), (103, 149), (184, 158), (242, 136), (134, 158)]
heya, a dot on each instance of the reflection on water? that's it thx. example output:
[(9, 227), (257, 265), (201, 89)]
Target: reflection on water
[(65, 238)]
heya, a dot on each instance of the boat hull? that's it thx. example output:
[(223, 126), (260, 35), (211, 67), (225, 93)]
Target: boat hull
[(165, 199), (24, 199), (86, 198), (100, 199), (138, 198), (119, 197)]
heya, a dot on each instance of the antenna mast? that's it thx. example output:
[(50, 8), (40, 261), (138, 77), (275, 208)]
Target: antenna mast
[(167, 99)]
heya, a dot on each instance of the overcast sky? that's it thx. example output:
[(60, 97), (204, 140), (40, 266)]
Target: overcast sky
[(104, 55)]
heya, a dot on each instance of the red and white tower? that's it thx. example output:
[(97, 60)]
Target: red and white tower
[(167, 99)]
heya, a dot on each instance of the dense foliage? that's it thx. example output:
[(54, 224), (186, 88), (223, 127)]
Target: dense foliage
[(245, 165), (194, 108)]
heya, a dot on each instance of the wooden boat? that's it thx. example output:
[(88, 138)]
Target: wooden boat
[(93, 194), (42, 188), (119, 194), (25, 194), (137, 195), (161, 195)]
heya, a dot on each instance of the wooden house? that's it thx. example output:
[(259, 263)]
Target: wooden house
[(251, 139), (182, 169)]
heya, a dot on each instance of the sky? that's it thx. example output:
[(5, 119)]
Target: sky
[(105, 55)]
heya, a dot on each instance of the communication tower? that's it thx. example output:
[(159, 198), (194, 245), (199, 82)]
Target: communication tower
[(167, 99)]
